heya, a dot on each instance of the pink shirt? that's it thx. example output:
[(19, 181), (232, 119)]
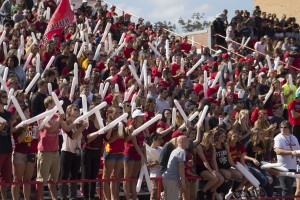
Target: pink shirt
[(48, 140)]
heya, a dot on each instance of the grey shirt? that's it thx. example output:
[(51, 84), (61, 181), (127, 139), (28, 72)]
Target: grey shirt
[(6, 7), (172, 172)]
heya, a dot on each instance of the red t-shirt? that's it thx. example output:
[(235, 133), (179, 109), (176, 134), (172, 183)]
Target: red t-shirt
[(155, 72), (294, 105), (29, 143), (117, 79), (175, 68), (186, 47), (130, 150), (128, 51), (116, 146), (48, 140), (236, 152), (164, 126)]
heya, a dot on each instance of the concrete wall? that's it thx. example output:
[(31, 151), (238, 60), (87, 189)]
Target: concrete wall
[(200, 37), (289, 7)]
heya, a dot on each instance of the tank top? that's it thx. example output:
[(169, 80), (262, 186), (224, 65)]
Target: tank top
[(130, 150), (116, 146), (207, 154), (222, 157)]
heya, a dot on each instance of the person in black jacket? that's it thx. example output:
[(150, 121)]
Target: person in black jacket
[(219, 28)]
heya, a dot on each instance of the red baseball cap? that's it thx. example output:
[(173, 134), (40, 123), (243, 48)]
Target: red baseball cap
[(177, 133), (230, 83), (225, 56)]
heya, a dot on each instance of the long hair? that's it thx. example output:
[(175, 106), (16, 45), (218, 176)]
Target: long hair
[(257, 144), (148, 105), (164, 119), (261, 122), (205, 139)]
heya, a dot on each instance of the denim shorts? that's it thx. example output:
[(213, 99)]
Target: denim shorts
[(113, 156), (127, 158)]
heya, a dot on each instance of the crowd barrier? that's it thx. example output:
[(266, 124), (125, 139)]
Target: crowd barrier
[(158, 179)]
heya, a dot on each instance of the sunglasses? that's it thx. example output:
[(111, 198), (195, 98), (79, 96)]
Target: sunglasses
[(4, 97), (284, 127)]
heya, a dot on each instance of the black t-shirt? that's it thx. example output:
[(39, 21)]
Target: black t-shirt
[(262, 90), (60, 62), (213, 122), (277, 120), (37, 103), (256, 152), (5, 136)]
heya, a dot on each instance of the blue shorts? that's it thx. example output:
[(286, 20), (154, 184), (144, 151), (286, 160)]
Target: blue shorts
[(126, 158), (113, 156)]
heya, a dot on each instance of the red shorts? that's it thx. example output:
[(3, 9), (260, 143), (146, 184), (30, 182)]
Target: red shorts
[(5, 168)]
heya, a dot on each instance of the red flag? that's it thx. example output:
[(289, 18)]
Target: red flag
[(62, 17)]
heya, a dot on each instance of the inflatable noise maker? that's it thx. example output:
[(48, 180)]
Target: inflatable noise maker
[(247, 174), (283, 171), (144, 172), (45, 115)]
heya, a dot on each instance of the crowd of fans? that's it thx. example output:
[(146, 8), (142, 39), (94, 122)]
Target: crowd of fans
[(248, 121)]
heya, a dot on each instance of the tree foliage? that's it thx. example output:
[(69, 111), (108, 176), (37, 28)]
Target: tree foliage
[(166, 25), (195, 23)]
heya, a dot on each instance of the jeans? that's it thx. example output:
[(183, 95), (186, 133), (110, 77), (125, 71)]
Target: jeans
[(287, 185), (296, 131), (262, 176), (90, 161), (70, 166)]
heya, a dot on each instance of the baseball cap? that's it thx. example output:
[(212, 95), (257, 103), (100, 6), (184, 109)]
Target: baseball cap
[(297, 94), (177, 133), (225, 56), (229, 83), (138, 113)]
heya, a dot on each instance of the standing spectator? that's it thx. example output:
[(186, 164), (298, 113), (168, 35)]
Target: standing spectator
[(294, 115), (174, 175), (285, 146), (90, 156), (260, 46), (164, 127), (113, 156), (24, 155), (48, 157), (153, 164), (161, 103), (219, 28), (289, 95), (36, 106), (119, 78), (134, 153), (6, 7), (71, 151), (5, 146)]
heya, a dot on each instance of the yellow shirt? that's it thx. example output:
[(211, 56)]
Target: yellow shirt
[(286, 91)]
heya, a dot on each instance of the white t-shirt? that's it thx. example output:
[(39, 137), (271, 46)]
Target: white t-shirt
[(154, 171), (288, 143), (260, 47), (70, 144)]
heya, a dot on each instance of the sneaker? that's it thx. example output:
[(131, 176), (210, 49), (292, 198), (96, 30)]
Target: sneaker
[(201, 195), (209, 195), (237, 195), (252, 194), (244, 195), (218, 196), (229, 195)]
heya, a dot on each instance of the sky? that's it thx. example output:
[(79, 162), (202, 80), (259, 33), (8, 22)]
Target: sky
[(172, 10)]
